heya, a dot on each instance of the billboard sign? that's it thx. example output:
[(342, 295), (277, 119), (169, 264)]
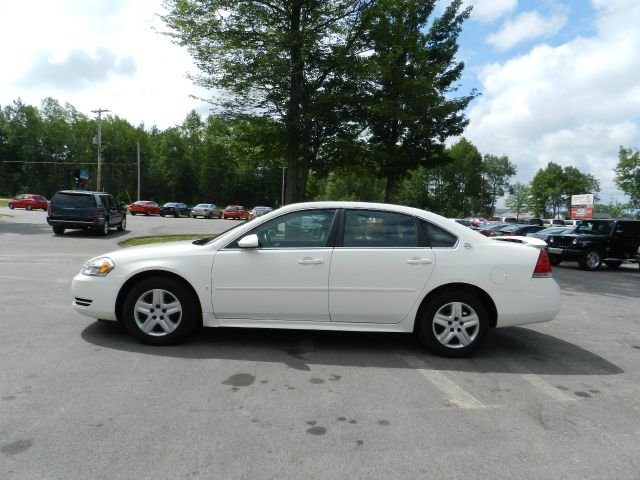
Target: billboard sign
[(582, 206), (582, 200)]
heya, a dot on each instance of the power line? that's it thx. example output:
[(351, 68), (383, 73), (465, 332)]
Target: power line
[(70, 164)]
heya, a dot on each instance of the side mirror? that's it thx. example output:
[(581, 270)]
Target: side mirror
[(250, 241)]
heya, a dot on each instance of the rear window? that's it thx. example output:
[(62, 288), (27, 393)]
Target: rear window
[(73, 200)]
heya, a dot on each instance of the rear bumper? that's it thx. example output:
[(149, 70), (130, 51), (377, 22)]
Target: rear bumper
[(538, 303), (75, 223)]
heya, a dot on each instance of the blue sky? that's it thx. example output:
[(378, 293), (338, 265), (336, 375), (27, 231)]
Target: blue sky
[(559, 79)]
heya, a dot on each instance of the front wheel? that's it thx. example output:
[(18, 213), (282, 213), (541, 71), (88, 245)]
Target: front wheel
[(613, 264), (591, 260), (11, 207), (160, 311), (29, 208), (58, 230), (555, 259), (133, 213), (123, 224), (453, 324)]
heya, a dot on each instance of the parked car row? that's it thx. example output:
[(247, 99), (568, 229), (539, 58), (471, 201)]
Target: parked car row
[(204, 210)]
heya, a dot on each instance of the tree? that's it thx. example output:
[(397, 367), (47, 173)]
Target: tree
[(496, 172), (278, 57), (519, 198), (628, 174), (411, 76)]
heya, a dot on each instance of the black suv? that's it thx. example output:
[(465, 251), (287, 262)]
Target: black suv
[(595, 242), (85, 210)]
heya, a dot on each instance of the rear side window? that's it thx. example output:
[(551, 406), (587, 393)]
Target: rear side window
[(439, 237), (375, 229), (72, 200)]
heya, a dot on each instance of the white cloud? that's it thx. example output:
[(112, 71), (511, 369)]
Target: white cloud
[(525, 27), (573, 104), (96, 53), (490, 10)]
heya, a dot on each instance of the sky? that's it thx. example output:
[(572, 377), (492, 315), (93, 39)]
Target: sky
[(559, 79)]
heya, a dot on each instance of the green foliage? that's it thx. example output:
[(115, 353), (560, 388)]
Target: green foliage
[(409, 82), (552, 187), (628, 174), (519, 198)]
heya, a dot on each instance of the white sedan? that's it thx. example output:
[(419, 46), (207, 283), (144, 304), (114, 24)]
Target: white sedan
[(326, 266)]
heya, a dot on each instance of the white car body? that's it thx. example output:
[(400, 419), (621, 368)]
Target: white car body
[(363, 289)]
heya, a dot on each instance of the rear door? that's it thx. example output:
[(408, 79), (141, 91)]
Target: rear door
[(73, 207), (380, 266)]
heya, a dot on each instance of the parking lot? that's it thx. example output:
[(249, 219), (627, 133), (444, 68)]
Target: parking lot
[(83, 400)]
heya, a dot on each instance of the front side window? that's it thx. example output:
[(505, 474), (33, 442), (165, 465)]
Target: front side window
[(375, 229), (305, 229)]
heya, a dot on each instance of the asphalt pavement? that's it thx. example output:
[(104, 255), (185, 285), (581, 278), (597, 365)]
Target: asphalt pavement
[(83, 400)]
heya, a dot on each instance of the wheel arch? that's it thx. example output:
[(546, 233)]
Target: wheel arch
[(128, 285), (484, 297)]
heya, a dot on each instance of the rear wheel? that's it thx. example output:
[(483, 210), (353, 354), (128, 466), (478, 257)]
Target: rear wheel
[(147, 213), (160, 311), (58, 230), (133, 213), (104, 230), (11, 207), (453, 324), (123, 224), (613, 264), (29, 207), (591, 260)]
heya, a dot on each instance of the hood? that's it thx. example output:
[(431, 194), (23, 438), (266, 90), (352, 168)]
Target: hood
[(168, 249)]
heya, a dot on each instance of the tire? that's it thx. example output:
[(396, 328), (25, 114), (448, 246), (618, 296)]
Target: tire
[(177, 215), (194, 216), (29, 208), (58, 230), (11, 207), (123, 224), (555, 259), (613, 264), (165, 291), (104, 228), (591, 260), (442, 313), (133, 213), (147, 213), (162, 215)]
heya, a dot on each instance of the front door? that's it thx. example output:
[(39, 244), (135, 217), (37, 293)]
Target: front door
[(285, 278)]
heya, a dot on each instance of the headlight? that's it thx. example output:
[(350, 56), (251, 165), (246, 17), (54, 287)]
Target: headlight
[(551, 240), (575, 241), (98, 267)]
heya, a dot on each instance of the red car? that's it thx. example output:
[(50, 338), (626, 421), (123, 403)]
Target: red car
[(29, 201), (144, 207), (236, 212)]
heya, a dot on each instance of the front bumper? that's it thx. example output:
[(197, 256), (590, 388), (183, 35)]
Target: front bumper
[(95, 296), (564, 252)]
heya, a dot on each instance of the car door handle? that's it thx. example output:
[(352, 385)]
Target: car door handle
[(419, 261), (310, 261)]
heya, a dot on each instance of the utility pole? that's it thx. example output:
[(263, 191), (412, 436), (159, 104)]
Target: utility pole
[(282, 202), (138, 145), (100, 111)]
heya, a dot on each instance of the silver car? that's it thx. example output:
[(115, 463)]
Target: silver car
[(206, 210)]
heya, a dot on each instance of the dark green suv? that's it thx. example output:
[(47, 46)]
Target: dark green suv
[(77, 209), (595, 242)]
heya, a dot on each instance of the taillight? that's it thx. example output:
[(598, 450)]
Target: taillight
[(543, 267), (49, 210), (96, 214)]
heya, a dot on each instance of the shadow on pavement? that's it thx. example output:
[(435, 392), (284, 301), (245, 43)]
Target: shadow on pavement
[(512, 350)]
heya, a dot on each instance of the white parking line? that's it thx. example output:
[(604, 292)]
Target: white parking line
[(536, 381), (453, 393)]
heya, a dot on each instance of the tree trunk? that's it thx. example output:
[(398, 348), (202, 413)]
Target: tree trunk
[(390, 190), (293, 112)]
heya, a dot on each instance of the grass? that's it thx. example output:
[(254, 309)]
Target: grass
[(133, 242), (4, 203)]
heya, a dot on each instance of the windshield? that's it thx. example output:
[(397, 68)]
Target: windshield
[(595, 227)]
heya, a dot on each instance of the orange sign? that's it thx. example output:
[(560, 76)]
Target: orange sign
[(581, 212)]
